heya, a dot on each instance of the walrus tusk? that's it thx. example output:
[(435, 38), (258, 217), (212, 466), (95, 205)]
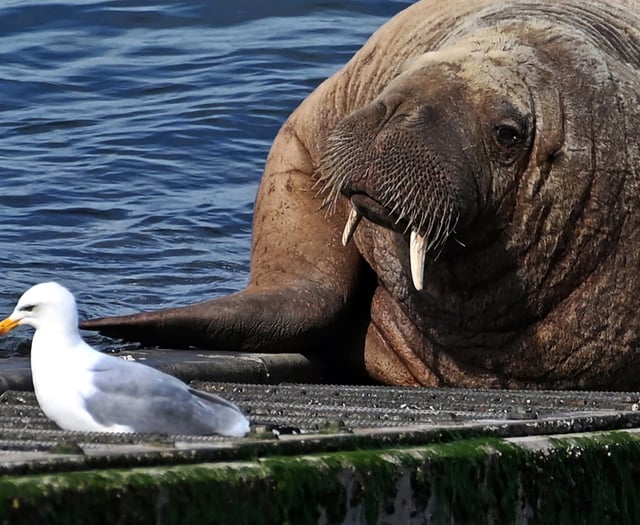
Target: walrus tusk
[(417, 252), (417, 247), (352, 223)]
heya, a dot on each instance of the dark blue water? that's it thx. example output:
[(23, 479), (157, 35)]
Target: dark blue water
[(133, 136)]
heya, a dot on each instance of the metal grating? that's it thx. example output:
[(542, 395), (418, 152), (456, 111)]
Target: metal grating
[(302, 418)]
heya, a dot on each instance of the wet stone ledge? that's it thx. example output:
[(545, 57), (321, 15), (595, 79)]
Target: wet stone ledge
[(564, 478)]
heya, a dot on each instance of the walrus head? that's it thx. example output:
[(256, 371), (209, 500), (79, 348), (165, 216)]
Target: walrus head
[(443, 142)]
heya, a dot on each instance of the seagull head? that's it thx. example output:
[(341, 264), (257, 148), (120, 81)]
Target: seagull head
[(45, 305)]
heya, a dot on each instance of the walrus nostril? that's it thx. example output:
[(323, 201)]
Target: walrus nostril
[(391, 105)]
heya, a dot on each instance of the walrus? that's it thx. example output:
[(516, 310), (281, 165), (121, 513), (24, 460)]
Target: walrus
[(484, 157)]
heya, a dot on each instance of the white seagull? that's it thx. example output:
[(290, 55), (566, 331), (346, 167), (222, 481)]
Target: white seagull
[(82, 389)]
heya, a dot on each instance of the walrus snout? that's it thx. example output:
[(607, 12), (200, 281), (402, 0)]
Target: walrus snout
[(398, 173)]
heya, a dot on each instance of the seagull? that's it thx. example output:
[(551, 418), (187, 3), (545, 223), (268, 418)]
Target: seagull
[(85, 390)]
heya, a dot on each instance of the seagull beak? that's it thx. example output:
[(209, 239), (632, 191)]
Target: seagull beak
[(7, 325)]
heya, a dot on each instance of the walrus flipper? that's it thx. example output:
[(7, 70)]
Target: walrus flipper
[(277, 321)]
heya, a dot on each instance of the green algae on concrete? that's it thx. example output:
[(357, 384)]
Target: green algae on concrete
[(601, 476), (471, 480), (589, 479)]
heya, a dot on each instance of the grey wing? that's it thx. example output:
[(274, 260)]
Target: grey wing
[(213, 399), (147, 400), (227, 417)]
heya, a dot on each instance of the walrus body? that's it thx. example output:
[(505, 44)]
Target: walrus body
[(492, 149)]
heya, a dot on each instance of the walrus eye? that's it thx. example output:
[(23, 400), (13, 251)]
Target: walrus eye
[(508, 135)]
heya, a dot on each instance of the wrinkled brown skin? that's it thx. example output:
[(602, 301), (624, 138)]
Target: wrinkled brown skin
[(537, 287)]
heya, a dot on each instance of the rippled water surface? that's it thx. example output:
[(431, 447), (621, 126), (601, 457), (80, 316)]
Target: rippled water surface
[(133, 136)]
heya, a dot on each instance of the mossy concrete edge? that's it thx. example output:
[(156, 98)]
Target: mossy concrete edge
[(589, 478)]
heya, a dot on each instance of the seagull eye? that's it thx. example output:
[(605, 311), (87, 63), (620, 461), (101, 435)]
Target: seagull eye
[(27, 308)]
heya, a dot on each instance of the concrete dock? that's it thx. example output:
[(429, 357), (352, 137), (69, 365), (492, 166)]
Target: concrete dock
[(329, 454)]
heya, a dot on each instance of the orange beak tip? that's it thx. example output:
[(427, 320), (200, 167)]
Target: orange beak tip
[(7, 325)]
